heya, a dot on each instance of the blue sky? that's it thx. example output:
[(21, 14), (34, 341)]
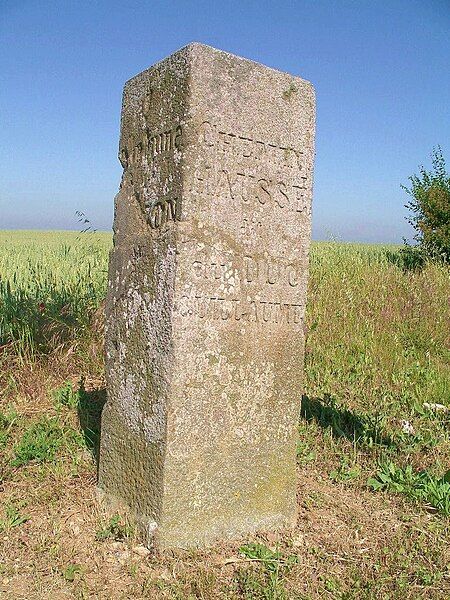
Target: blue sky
[(380, 69)]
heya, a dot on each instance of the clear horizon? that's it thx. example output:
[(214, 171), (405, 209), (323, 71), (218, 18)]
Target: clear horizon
[(380, 74)]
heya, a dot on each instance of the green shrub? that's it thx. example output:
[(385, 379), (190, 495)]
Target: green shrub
[(408, 258), (430, 208)]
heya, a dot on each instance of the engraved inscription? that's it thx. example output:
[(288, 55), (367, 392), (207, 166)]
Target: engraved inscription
[(228, 278), (210, 270), (164, 141), (255, 172), (235, 309), (135, 156), (255, 270), (269, 272), (162, 210), (248, 188), (151, 145), (245, 146)]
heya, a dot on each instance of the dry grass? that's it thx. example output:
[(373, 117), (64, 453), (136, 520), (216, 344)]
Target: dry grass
[(377, 351)]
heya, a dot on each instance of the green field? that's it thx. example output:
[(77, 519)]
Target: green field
[(373, 447), (50, 285)]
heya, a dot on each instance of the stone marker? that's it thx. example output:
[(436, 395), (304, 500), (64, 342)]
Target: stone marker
[(206, 299)]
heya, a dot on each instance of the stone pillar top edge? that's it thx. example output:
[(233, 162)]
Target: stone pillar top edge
[(197, 47)]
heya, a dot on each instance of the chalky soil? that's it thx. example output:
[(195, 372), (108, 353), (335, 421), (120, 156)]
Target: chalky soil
[(206, 299)]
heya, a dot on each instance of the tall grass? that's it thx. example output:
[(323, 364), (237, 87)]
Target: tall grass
[(378, 335), (51, 283), (377, 355)]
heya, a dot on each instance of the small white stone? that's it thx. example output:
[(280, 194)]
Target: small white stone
[(124, 557), (436, 406), (142, 551), (407, 427), (116, 545)]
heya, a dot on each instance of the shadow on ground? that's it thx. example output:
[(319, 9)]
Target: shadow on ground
[(344, 423), (90, 407)]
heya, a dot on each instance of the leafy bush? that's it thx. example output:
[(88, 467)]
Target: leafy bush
[(408, 258), (430, 207)]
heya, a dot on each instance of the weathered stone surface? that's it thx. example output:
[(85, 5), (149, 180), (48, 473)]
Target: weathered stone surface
[(206, 299)]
